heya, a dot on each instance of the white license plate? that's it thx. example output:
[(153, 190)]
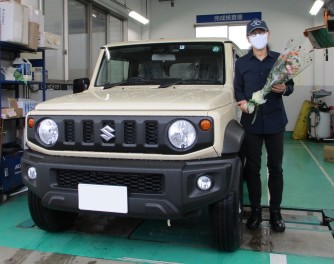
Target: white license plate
[(103, 198)]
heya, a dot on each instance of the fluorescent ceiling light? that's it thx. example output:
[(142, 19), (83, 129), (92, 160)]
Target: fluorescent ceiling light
[(316, 7), (138, 17)]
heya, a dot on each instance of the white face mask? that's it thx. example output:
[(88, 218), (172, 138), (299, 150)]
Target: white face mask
[(259, 41)]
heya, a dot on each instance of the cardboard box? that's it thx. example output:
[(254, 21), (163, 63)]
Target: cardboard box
[(14, 22), (33, 35), (13, 111), (49, 40), (328, 153), (36, 16), (7, 113)]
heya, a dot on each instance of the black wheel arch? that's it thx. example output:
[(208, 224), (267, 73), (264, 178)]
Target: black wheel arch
[(233, 138), (232, 146)]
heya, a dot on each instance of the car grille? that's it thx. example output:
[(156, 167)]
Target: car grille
[(120, 134), (136, 182), (129, 129), (128, 133)]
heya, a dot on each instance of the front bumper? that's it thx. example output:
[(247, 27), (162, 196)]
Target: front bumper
[(173, 196)]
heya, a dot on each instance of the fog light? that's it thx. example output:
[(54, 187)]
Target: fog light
[(32, 173), (204, 183)]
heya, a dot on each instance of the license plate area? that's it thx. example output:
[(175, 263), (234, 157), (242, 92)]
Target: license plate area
[(103, 198)]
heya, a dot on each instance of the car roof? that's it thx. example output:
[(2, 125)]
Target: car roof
[(157, 41)]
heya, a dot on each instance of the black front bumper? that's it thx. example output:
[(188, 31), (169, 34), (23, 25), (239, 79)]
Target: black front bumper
[(175, 197)]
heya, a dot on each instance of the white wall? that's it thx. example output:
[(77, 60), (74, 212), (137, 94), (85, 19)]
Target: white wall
[(285, 19)]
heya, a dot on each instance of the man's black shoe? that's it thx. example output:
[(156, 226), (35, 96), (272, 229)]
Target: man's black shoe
[(276, 221), (255, 218)]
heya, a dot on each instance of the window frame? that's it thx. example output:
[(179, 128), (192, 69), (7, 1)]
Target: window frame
[(229, 26)]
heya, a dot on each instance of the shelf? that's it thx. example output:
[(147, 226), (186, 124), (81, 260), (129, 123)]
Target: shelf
[(13, 118), (17, 48), (9, 46), (19, 82)]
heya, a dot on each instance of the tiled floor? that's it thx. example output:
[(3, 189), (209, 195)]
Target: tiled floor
[(309, 189)]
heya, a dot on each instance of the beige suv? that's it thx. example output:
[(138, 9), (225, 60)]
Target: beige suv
[(155, 136)]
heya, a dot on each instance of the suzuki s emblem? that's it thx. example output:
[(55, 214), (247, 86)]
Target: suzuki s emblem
[(107, 133)]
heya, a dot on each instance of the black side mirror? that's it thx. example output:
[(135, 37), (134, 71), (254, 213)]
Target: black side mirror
[(79, 85)]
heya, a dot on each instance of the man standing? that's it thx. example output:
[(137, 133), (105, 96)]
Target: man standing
[(251, 73)]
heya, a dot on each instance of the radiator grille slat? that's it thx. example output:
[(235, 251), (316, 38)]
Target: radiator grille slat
[(136, 182), (151, 132), (130, 134), (69, 131), (88, 131)]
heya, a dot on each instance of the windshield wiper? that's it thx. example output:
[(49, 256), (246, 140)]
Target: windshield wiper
[(194, 82), (171, 82), (130, 81)]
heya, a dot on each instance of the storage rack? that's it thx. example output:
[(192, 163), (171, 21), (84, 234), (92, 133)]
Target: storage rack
[(11, 180), (16, 48)]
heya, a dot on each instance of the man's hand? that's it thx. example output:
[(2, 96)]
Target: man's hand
[(243, 106), (279, 88)]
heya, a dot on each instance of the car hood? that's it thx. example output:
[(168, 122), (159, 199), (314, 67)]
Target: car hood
[(143, 98)]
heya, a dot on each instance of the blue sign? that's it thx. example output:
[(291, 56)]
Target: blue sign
[(232, 17)]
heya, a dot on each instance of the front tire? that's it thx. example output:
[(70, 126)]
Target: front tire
[(47, 219), (226, 217)]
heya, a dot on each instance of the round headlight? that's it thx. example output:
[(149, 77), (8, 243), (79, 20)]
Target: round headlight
[(48, 132), (182, 134)]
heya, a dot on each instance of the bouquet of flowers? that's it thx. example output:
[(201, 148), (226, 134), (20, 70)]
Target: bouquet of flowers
[(292, 61)]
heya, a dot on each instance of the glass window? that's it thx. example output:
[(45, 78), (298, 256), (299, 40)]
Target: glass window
[(189, 63), (78, 53), (99, 36), (87, 32), (53, 22), (211, 31), (115, 29), (236, 33)]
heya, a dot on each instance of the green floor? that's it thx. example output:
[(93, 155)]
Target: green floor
[(308, 180), (309, 185)]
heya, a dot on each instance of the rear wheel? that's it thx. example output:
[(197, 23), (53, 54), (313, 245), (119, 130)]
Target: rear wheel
[(47, 219), (226, 217)]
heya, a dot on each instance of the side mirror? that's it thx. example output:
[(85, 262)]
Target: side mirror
[(80, 85)]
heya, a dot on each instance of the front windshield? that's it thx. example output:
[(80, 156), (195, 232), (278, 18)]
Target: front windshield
[(163, 64)]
